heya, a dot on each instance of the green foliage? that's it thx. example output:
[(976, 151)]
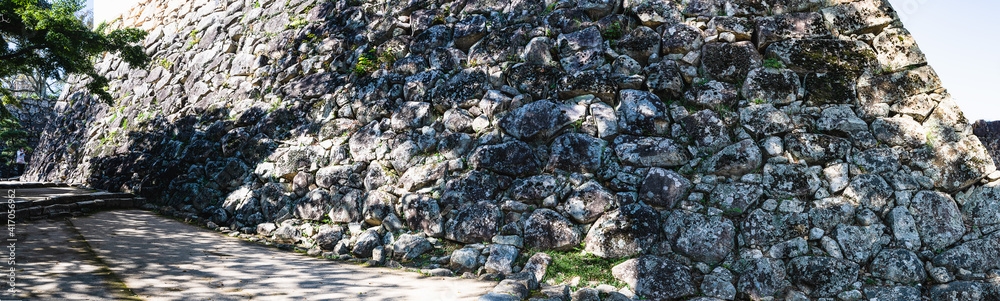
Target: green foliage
[(567, 265), (368, 62), (773, 63), (387, 57), (47, 37), (613, 31), (296, 22), (194, 39), (550, 8), (165, 63), (12, 138), (472, 63)]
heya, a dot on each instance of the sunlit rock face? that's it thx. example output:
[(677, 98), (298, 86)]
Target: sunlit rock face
[(732, 149)]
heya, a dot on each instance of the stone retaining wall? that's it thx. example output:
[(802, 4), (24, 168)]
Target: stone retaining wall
[(726, 148)]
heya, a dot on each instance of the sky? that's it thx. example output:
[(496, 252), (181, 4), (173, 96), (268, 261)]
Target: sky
[(957, 37)]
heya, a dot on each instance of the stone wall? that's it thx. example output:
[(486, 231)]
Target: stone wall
[(989, 133), (730, 148), (33, 115)]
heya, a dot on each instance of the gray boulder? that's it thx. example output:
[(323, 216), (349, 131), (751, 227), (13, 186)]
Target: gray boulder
[(730, 62), (904, 228), (770, 85), (540, 119), (762, 277), (468, 31), (861, 243), (589, 82), (735, 160), (475, 223), (656, 278), (641, 113), (626, 231), (806, 25), (892, 293), (850, 18), (737, 198), (650, 151), (512, 158), (899, 131), (653, 13), (665, 77), (576, 153), (471, 187), (823, 55), (702, 238), (937, 218), (465, 260), (817, 148), (546, 229), (639, 44), (898, 265), (979, 255), (707, 130), (791, 180), (314, 205), (825, 275), (681, 38), (958, 290), (422, 213), (500, 259), (870, 191), (367, 242), (764, 120), (408, 247), (663, 188), (537, 188), (588, 202)]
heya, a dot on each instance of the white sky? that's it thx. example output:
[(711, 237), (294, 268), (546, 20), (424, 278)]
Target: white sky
[(958, 38)]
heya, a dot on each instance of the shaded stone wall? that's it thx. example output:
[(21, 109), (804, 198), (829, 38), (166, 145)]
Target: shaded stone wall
[(745, 149), (34, 115), (989, 133)]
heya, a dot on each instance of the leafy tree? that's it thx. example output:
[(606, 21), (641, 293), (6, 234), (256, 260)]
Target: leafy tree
[(45, 39), (12, 138)]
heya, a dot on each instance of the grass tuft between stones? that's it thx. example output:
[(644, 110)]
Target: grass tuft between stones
[(567, 265)]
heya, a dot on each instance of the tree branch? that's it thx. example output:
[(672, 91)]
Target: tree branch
[(20, 52)]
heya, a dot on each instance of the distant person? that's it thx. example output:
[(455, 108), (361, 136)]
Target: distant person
[(20, 161)]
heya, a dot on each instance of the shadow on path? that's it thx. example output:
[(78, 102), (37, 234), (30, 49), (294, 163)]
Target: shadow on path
[(55, 263), (163, 259)]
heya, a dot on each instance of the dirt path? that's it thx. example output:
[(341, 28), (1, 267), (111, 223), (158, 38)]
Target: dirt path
[(162, 259)]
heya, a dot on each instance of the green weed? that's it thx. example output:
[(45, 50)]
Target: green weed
[(571, 264), (613, 31), (773, 63)]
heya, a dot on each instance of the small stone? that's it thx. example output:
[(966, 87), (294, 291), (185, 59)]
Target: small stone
[(831, 247), (500, 259), (481, 123), (791, 206), (512, 288), (513, 240), (773, 146), (940, 275), (770, 205), (586, 294), (815, 233), (851, 295)]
